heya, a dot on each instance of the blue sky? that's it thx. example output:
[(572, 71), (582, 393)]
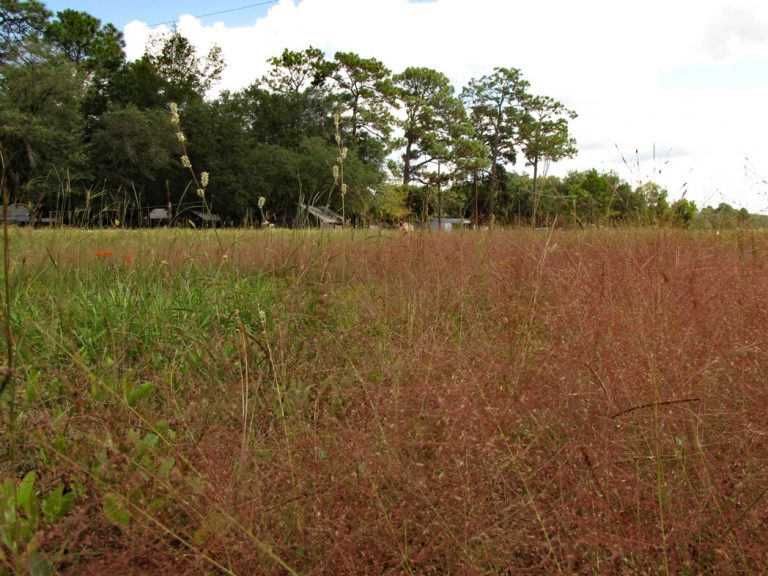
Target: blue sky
[(711, 77), (243, 12), (678, 88)]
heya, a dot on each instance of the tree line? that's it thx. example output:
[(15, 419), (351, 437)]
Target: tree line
[(83, 130)]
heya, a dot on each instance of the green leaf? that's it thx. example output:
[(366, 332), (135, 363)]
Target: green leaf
[(56, 504), (151, 439), (32, 388), (8, 497), (26, 497), (52, 504), (115, 511), (166, 466), (25, 489), (138, 393)]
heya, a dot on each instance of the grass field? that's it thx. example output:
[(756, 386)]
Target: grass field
[(279, 402)]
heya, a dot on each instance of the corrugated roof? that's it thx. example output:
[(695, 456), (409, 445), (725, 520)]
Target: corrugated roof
[(17, 213), (207, 217), (325, 215)]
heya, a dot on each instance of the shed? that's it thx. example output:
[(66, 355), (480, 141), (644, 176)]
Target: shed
[(207, 218), (158, 215), (447, 224), (325, 217), (21, 214), (17, 213)]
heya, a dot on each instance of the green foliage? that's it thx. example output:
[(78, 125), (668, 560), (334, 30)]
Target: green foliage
[(23, 516), (365, 93), (20, 23), (132, 146), (544, 136), (725, 216), (79, 122), (683, 212), (434, 125), (115, 510), (294, 72), (389, 204), (138, 393), (186, 74), (656, 201), (137, 83), (82, 38), (592, 197), (495, 104), (40, 123), (57, 503), (543, 130)]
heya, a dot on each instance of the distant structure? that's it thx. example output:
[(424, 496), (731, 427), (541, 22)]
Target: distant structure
[(206, 219), (447, 224), (324, 217), (22, 215), (158, 217), (17, 213)]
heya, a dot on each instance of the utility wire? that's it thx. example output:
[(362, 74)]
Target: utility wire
[(221, 12)]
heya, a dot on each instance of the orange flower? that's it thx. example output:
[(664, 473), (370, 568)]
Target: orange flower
[(128, 258), (103, 253)]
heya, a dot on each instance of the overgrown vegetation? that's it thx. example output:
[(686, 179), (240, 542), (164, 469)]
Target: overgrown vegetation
[(302, 402)]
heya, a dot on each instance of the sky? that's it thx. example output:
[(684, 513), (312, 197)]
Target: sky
[(674, 91)]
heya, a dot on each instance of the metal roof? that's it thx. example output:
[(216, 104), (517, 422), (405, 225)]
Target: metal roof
[(325, 215), (206, 217)]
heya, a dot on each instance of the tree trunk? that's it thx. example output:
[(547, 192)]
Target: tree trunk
[(439, 201), (407, 165), (535, 192), (475, 214), (492, 202)]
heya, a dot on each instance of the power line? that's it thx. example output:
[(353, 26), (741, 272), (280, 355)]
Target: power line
[(221, 12)]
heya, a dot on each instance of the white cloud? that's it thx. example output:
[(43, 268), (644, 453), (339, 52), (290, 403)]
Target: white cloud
[(603, 58), (739, 29)]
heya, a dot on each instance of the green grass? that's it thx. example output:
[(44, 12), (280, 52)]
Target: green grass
[(314, 402)]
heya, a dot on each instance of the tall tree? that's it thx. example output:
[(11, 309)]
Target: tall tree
[(365, 92), (295, 72), (20, 21), (544, 136), (134, 148), (82, 38), (495, 106), (281, 119), (137, 83), (186, 74), (656, 201), (97, 49), (434, 121), (39, 119)]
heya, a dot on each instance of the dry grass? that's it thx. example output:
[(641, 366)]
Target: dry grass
[(504, 403)]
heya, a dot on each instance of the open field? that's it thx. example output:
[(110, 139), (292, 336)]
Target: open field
[(344, 403)]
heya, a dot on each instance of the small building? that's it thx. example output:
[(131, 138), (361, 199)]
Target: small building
[(206, 219), (21, 214), (158, 217), (324, 217), (17, 214), (447, 224)]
